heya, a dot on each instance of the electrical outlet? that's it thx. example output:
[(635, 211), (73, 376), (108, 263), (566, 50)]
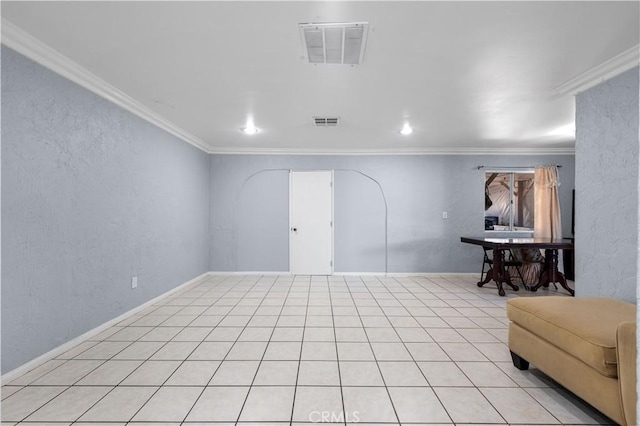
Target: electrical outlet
[(445, 215), (134, 282)]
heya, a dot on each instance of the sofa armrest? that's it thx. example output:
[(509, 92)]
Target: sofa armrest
[(627, 351)]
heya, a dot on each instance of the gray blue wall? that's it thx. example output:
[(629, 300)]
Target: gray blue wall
[(249, 209), (607, 189), (91, 196)]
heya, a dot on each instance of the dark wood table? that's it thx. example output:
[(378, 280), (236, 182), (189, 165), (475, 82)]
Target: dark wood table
[(498, 272)]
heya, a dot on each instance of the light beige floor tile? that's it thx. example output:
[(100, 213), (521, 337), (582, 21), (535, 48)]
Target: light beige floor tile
[(247, 351), (463, 352), (319, 351), (152, 373), (210, 351), (68, 373), (150, 321), (319, 334), (417, 335), (347, 322), (161, 334), (427, 352), (36, 373), (219, 404), (139, 351), (206, 321), (494, 351), (29, 399), (402, 374), (193, 373), (351, 334), (256, 334), (129, 334), (486, 374), (390, 352), (274, 373), (169, 404), (110, 373), (9, 390), (224, 334), (103, 350), (474, 409), (311, 401), (192, 334), (461, 323), (283, 351), (477, 335), (314, 373), (119, 405), (566, 407), (382, 334), (446, 335), (360, 373), (355, 351), (268, 404), (70, 404), (174, 351), (235, 321), (179, 321), (375, 321), (319, 321), (417, 405), (287, 334), (444, 374), (372, 404), (517, 406), (235, 373)]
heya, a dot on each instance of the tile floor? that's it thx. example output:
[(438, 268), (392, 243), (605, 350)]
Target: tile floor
[(300, 350)]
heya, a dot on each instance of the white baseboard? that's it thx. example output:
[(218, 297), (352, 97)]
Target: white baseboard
[(249, 273), (347, 274), (11, 375)]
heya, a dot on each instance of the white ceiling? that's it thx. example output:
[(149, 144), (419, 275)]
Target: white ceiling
[(467, 76)]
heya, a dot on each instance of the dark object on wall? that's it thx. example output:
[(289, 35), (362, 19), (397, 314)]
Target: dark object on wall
[(568, 255), (489, 222)]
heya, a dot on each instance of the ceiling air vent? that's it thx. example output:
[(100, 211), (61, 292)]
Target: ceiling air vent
[(330, 43), (325, 121)]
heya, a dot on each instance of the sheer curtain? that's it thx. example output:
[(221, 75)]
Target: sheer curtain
[(547, 221)]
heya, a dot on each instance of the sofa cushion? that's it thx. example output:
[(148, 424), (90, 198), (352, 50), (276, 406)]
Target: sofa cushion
[(584, 328)]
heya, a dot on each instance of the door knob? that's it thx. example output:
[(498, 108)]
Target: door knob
[(294, 229)]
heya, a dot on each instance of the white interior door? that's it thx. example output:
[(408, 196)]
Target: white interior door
[(311, 248)]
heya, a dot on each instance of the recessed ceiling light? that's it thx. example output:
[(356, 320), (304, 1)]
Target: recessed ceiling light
[(250, 130), (406, 129)]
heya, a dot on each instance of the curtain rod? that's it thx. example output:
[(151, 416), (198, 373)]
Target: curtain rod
[(516, 167)]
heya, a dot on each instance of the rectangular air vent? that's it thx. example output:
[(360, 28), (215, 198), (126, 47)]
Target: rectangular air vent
[(339, 43), (325, 121)]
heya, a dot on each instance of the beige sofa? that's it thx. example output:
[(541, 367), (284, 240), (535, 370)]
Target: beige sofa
[(586, 345)]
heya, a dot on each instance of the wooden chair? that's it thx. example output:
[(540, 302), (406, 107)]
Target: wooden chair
[(508, 264), (532, 266)]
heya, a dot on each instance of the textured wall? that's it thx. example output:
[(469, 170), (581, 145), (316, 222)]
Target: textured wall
[(417, 189), (606, 189), (91, 196)]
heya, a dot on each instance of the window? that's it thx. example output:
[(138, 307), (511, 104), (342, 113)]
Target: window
[(509, 201)]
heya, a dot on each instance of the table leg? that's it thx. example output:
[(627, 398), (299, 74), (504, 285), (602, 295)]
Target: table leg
[(550, 273)]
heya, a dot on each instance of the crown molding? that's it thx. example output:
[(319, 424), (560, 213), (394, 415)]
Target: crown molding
[(606, 70), (396, 151), (29, 46)]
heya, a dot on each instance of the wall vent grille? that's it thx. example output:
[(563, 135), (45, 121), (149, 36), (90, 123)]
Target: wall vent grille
[(325, 121), (334, 43)]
